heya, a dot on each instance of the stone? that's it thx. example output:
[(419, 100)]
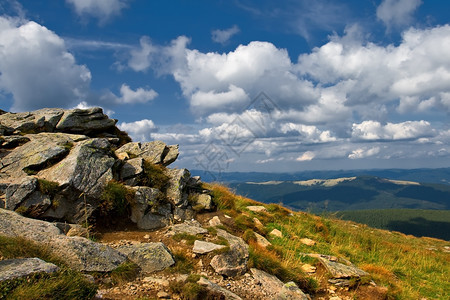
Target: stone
[(276, 233), (307, 242), (202, 247), (171, 155), (190, 227), (262, 241), (155, 152), (218, 289), (132, 168), (16, 193), (87, 168), (257, 208), (158, 281), (307, 268), (205, 201), (32, 122), (233, 262), (290, 291), (13, 141), (175, 190), (86, 121), (143, 198), (268, 282), (215, 221), (79, 253), (163, 295), (153, 221), (150, 257), (17, 268), (182, 214), (258, 223), (338, 270)]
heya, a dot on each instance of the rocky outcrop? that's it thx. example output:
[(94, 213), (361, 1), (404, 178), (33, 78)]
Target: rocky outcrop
[(218, 289), (21, 267), (79, 253), (74, 152)]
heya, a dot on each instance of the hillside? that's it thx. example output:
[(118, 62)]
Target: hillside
[(349, 193), (87, 213)]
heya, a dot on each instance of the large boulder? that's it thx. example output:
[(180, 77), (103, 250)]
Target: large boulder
[(87, 121), (155, 152), (150, 257), (233, 262), (21, 267), (77, 252), (176, 188), (31, 122), (149, 210)]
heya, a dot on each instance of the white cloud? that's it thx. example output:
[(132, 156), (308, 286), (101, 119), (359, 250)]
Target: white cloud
[(397, 13), (364, 152), (308, 155), (140, 131), (309, 134), (37, 69), (103, 10), (211, 100), (373, 130), (140, 95), (223, 36)]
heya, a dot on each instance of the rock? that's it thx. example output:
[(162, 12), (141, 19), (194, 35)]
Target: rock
[(13, 141), (190, 227), (88, 167), (268, 282), (16, 193), (257, 208), (233, 262), (205, 201), (132, 168), (202, 247), (163, 295), (171, 155), (218, 289), (86, 121), (79, 253), (175, 190), (182, 214), (153, 221), (16, 268), (32, 122), (276, 233), (155, 152), (144, 198), (308, 242), (290, 291), (262, 241), (339, 270), (258, 223), (158, 281), (150, 257), (215, 221), (307, 268)]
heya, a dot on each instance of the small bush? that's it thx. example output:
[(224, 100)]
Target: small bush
[(116, 198), (222, 197), (47, 187), (127, 271), (249, 236), (155, 176), (189, 238), (244, 222), (183, 263)]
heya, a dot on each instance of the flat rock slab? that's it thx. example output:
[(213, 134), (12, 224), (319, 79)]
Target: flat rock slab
[(16, 268), (268, 282), (190, 227), (290, 291), (202, 247), (262, 241), (338, 270), (150, 257), (257, 208), (217, 288)]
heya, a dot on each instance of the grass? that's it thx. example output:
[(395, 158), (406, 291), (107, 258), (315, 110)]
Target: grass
[(127, 271), (191, 290), (410, 267), (63, 284), (189, 238), (155, 176), (116, 198), (183, 263), (47, 187)]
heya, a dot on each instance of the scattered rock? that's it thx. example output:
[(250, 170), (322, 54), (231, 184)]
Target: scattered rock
[(202, 247), (216, 288), (205, 201), (262, 241), (257, 208), (290, 291), (190, 227), (339, 270), (276, 233), (258, 223), (150, 257), (268, 282), (175, 190), (215, 221), (16, 268), (159, 281), (307, 268), (163, 295), (308, 242)]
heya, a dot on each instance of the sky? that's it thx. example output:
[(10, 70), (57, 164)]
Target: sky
[(241, 85)]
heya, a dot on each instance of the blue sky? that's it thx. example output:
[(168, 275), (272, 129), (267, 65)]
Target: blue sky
[(244, 85)]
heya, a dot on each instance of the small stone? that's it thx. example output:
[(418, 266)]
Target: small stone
[(162, 295), (308, 242), (307, 268), (257, 208), (215, 221), (258, 223), (202, 247), (276, 233), (147, 236)]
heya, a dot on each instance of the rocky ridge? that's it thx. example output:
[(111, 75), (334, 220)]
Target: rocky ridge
[(61, 169)]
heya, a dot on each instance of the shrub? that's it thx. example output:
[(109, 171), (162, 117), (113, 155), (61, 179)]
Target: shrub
[(249, 235), (127, 271), (244, 222), (47, 187), (222, 197), (116, 198), (155, 176), (189, 238), (183, 263)]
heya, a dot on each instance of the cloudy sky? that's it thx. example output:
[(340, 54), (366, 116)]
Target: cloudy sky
[(244, 85)]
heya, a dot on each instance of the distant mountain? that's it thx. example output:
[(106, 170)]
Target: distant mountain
[(348, 193), (440, 176)]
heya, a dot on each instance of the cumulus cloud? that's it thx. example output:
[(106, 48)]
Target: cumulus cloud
[(140, 95), (103, 10), (223, 36), (309, 134), (397, 13), (364, 152), (139, 130), (308, 155), (373, 130), (37, 69)]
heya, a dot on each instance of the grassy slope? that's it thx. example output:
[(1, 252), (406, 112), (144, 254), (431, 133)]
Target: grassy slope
[(409, 267)]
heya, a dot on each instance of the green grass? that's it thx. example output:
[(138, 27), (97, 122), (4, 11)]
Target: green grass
[(116, 198), (47, 187), (127, 271), (155, 176)]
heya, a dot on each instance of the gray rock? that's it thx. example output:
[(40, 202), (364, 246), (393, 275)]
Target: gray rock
[(218, 289), (268, 282), (290, 291), (16, 268), (16, 193), (153, 221), (155, 152), (85, 121), (79, 253), (144, 197), (215, 221), (205, 200), (88, 167), (190, 227), (176, 188), (339, 270), (32, 122), (257, 208), (262, 241), (171, 155), (131, 168), (182, 214), (202, 247), (150, 257), (233, 262), (13, 141)]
